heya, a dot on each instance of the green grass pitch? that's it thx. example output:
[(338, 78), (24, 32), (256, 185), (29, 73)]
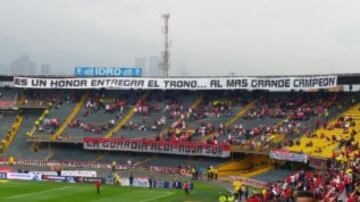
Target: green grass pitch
[(29, 191)]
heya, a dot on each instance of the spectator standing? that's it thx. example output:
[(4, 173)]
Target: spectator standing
[(98, 186), (222, 198), (150, 182), (113, 166), (117, 180), (186, 188), (193, 172), (246, 192), (131, 179), (215, 174), (230, 197)]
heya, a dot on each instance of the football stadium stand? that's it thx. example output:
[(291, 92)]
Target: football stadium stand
[(337, 137), (275, 142)]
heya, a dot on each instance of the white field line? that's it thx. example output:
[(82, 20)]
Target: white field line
[(40, 192), (158, 197)]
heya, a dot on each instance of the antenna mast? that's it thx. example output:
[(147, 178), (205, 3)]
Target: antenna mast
[(165, 63)]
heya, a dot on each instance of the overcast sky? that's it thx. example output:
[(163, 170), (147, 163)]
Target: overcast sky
[(209, 37)]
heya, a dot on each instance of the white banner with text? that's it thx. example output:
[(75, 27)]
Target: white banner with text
[(201, 83)]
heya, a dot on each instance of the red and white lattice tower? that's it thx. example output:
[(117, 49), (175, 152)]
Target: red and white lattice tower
[(165, 61)]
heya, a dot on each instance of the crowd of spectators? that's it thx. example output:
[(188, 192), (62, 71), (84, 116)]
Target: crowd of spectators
[(301, 114), (339, 181), (205, 114), (92, 127), (113, 107), (346, 123), (299, 107), (49, 101), (99, 101), (340, 133), (172, 119), (50, 125), (45, 98), (154, 118)]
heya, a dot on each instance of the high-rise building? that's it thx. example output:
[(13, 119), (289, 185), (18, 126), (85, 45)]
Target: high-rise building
[(141, 62), (23, 65), (32, 68), (154, 66), (45, 69)]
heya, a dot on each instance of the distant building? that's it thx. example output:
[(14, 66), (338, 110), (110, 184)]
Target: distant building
[(45, 69), (23, 65), (141, 62), (32, 68), (154, 66)]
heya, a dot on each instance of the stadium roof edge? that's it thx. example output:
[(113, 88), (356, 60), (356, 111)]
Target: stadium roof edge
[(343, 78), (280, 75)]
